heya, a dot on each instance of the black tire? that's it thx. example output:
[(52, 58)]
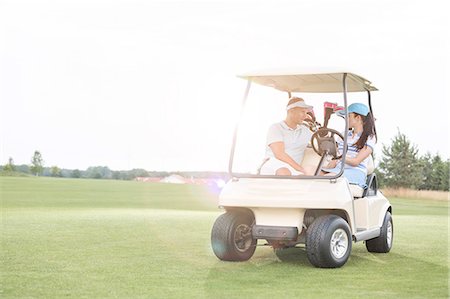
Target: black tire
[(321, 233), (231, 236), (383, 243)]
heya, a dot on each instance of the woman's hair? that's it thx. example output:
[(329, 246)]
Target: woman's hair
[(368, 130)]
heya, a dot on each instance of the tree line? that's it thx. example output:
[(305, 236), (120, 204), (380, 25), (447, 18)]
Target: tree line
[(400, 166), (37, 168)]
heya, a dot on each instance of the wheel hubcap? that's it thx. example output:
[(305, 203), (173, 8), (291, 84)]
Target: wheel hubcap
[(339, 243), (243, 237), (389, 234)]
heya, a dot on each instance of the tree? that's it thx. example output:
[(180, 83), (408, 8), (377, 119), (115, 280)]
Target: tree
[(55, 171), (99, 172), (446, 179), (138, 172), (10, 166), (37, 163), (23, 168), (427, 169), (76, 174), (400, 164), (116, 175), (435, 173), (439, 176)]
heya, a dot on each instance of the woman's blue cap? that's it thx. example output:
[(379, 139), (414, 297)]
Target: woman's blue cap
[(357, 108)]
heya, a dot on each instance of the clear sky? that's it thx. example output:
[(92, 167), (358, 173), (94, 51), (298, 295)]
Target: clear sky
[(151, 84)]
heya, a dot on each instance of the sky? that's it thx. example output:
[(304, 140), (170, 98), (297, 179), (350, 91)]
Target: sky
[(152, 84)]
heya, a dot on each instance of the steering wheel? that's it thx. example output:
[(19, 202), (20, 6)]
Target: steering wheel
[(326, 142)]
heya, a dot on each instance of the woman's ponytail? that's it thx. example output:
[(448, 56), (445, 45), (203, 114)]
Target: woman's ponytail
[(368, 130)]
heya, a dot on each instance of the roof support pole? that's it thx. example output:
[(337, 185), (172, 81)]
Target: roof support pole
[(233, 146), (369, 99), (344, 153)]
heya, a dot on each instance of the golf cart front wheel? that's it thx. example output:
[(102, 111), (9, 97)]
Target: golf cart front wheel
[(328, 242), (231, 236)]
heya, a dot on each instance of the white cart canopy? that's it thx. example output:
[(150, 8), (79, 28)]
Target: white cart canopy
[(297, 81)]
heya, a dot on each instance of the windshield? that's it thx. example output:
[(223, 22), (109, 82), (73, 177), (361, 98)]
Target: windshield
[(265, 107)]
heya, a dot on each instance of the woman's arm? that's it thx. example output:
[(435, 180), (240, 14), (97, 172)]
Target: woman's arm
[(362, 154)]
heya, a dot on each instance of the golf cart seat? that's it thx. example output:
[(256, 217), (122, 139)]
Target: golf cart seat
[(356, 190), (371, 182), (311, 159)]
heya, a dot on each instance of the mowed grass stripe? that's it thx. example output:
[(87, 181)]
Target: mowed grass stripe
[(147, 249), (78, 193), (107, 252)]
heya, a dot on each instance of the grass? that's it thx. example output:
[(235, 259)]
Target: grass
[(94, 238)]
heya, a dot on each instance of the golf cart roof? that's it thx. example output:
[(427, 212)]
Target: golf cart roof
[(307, 81)]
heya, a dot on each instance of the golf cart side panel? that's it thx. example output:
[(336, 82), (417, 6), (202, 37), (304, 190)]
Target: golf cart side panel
[(370, 211), (378, 209)]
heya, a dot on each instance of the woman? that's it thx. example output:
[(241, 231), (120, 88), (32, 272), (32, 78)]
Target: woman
[(361, 142)]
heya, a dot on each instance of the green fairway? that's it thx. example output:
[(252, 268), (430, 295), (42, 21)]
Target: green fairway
[(104, 238)]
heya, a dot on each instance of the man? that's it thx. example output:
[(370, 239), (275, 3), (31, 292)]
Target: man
[(287, 141)]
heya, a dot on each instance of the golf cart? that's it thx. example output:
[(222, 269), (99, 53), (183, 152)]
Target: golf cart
[(325, 213)]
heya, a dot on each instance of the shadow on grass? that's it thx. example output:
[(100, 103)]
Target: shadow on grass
[(294, 255), (289, 273)]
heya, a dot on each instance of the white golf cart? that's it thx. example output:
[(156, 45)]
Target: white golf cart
[(325, 213)]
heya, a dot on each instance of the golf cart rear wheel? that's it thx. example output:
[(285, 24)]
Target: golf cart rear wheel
[(383, 243), (231, 236), (328, 242)]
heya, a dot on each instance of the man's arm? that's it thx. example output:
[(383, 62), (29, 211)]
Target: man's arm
[(279, 153)]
